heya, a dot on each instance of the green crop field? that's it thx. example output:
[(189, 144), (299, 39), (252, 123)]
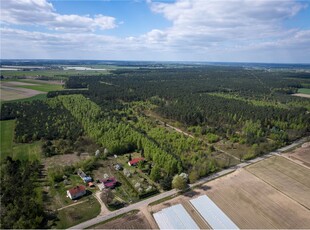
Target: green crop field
[(42, 87), (31, 151), (304, 90)]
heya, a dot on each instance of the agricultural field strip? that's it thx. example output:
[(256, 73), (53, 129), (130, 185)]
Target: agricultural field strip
[(137, 205), (278, 177), (300, 173), (197, 217), (238, 190)]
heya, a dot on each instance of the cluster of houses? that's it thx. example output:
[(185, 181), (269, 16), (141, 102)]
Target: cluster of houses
[(106, 183)]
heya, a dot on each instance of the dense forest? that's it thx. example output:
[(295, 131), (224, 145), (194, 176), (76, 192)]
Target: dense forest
[(219, 99), (21, 197)]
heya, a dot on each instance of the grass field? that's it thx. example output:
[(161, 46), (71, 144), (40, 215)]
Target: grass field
[(7, 135), (253, 204), (131, 220), (78, 213), (304, 90), (286, 176), (19, 89), (30, 151)]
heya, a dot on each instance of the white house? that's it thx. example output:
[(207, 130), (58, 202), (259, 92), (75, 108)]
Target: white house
[(76, 192)]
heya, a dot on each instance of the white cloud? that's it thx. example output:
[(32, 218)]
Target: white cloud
[(41, 12), (201, 30), (215, 20)]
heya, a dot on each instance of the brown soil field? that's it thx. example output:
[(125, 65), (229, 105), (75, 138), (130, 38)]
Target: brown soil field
[(13, 93), (301, 155), (253, 204), (129, 221), (286, 176), (16, 83)]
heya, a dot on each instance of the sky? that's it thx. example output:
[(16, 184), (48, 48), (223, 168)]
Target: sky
[(270, 31)]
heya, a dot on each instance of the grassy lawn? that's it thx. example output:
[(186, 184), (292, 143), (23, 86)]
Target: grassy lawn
[(30, 151), (304, 90), (78, 213)]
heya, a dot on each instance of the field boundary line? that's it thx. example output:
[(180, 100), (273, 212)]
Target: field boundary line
[(266, 182)]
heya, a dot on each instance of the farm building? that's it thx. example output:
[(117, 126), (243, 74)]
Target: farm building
[(83, 176), (175, 217), (135, 161), (76, 192), (212, 214), (109, 182)]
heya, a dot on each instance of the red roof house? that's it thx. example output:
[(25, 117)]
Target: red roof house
[(109, 182), (76, 192), (135, 161)]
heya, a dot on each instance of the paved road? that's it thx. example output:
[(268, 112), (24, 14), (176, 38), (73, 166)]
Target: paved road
[(146, 202)]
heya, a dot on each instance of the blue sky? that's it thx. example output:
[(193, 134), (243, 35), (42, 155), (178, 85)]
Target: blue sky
[(182, 30)]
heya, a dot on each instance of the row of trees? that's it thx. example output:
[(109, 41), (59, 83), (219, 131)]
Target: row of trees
[(115, 135)]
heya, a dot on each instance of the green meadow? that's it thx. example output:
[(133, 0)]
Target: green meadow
[(304, 90), (31, 151)]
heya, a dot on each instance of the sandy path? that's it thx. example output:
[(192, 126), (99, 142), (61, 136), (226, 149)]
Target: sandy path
[(301, 95)]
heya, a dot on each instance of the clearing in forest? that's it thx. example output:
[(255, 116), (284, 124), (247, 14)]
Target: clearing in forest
[(21, 151)]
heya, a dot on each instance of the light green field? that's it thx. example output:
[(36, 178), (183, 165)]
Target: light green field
[(30, 151), (7, 134), (42, 87), (304, 90)]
